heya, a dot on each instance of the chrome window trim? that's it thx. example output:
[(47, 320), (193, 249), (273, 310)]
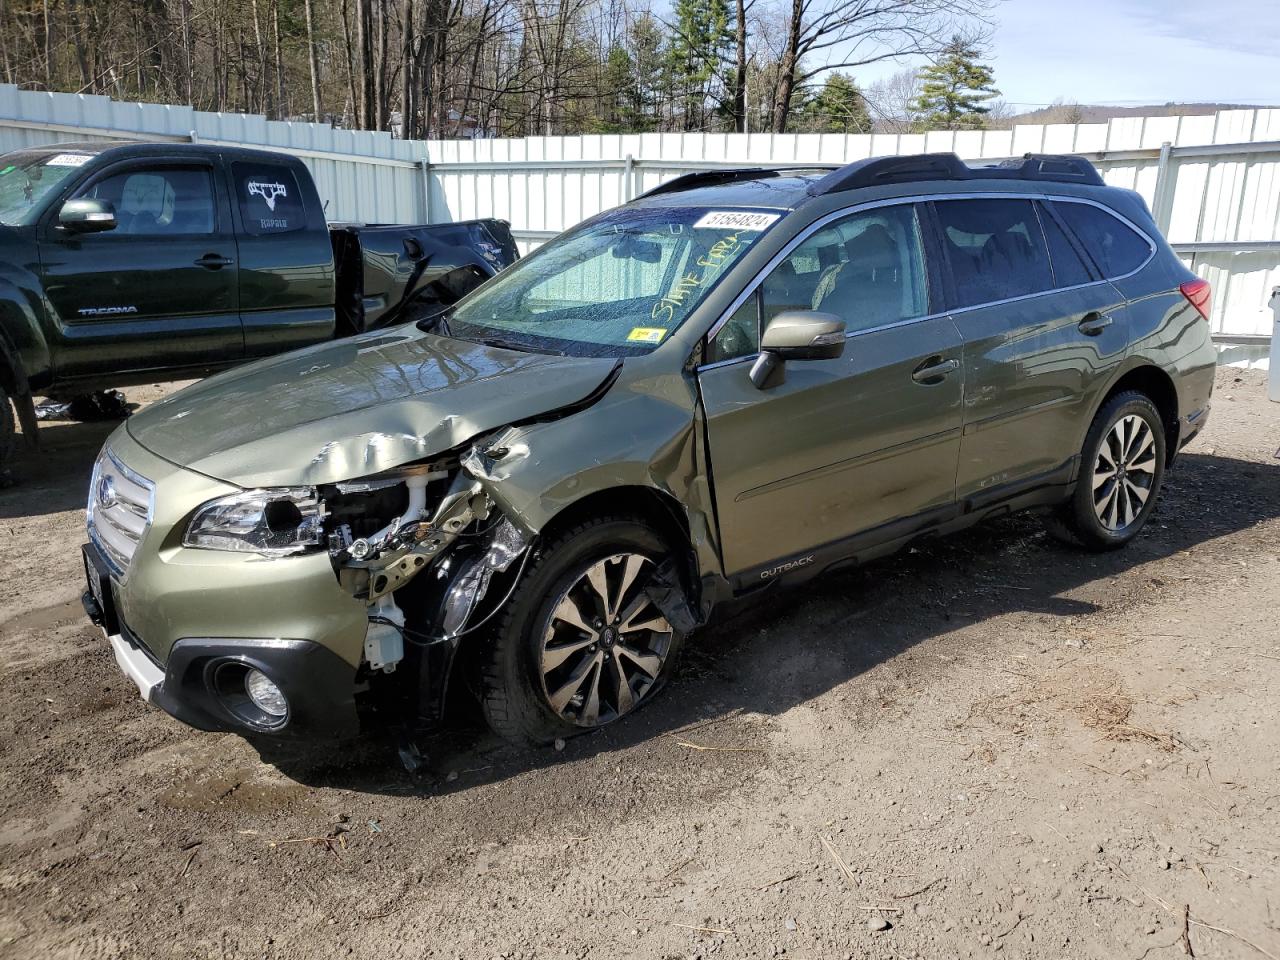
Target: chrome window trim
[(826, 219)]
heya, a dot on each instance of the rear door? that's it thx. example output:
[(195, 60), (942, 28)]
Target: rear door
[(157, 292), (286, 258), (1042, 333), (862, 445)]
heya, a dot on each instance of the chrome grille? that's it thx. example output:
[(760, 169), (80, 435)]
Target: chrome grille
[(119, 509)]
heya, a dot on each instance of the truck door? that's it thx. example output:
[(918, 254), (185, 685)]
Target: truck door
[(157, 292), (286, 257)]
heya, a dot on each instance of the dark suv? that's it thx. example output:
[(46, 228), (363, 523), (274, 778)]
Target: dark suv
[(741, 378)]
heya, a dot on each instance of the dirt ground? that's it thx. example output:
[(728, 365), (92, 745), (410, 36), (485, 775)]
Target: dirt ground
[(991, 745)]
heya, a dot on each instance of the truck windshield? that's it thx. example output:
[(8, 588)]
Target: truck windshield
[(617, 286), (26, 176)]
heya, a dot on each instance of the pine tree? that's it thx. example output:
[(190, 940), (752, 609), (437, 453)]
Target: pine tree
[(954, 90), (698, 46), (838, 107)]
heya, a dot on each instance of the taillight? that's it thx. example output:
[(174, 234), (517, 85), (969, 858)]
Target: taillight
[(1198, 293)]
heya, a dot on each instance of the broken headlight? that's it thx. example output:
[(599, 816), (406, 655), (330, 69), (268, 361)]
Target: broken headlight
[(275, 520)]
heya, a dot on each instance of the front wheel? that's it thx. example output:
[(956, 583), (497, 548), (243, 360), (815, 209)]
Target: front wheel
[(580, 643), (1121, 470)]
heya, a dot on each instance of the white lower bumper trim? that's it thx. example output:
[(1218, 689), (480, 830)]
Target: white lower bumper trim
[(137, 666)]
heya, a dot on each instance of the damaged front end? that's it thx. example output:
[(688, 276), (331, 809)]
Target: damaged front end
[(432, 522)]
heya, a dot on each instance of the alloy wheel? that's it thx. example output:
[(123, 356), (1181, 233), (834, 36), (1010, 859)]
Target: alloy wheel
[(605, 644), (1124, 473)]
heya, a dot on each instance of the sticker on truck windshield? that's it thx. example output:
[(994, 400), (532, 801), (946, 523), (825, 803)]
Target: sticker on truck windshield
[(646, 334), (67, 160), (735, 220)]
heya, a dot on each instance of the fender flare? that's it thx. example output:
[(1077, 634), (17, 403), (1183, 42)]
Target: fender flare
[(1126, 367)]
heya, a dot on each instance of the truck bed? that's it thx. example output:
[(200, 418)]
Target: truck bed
[(383, 270)]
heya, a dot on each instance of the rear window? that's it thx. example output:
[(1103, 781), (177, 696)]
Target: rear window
[(995, 248), (1117, 248), (269, 199)]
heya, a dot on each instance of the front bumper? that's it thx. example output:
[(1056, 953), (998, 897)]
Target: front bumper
[(319, 685), (173, 614)]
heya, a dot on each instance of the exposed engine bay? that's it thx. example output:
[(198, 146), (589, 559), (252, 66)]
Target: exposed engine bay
[(433, 520)]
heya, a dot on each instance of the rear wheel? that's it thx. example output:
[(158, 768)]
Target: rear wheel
[(1121, 470), (580, 643)]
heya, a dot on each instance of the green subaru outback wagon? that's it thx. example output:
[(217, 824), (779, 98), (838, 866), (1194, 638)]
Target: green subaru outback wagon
[(737, 380)]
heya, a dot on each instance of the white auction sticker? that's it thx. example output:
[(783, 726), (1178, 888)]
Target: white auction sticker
[(735, 220), (68, 160)]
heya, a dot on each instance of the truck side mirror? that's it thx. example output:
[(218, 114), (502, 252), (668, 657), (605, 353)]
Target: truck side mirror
[(87, 215), (796, 335)]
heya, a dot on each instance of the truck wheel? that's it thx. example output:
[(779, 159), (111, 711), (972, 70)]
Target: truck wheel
[(8, 432), (1121, 469), (579, 644)]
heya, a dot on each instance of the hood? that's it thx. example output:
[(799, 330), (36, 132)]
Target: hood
[(355, 407)]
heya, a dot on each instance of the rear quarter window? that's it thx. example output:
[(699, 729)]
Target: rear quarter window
[(269, 199), (1115, 246)]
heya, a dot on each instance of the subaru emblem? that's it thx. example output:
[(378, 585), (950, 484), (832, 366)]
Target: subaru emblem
[(106, 493)]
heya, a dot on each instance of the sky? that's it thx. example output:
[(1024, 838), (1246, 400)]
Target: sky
[(1127, 52)]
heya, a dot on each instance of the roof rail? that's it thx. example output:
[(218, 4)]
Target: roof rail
[(878, 171), (707, 178), (1058, 167)]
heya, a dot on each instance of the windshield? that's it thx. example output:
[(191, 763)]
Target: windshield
[(617, 286), (27, 175)]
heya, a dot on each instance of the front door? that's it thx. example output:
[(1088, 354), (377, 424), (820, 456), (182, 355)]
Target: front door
[(157, 292), (1042, 334), (865, 444)]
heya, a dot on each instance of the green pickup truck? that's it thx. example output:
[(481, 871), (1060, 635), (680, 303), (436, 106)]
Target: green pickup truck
[(127, 263)]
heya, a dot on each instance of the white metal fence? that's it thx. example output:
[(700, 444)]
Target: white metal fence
[(1212, 181)]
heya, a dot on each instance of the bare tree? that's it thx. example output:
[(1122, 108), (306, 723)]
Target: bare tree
[(313, 57), (892, 102), (462, 67), (852, 34)]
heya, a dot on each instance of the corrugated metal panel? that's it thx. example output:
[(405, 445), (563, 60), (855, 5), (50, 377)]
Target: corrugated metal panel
[(543, 185)]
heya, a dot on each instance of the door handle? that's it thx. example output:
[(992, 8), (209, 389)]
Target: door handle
[(934, 370), (1094, 323), (214, 261)]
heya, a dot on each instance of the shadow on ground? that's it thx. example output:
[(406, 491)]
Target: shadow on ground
[(782, 648), (788, 647), (54, 476)]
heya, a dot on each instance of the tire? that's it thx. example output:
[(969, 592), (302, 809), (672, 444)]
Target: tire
[(535, 656), (8, 431), (1121, 471)]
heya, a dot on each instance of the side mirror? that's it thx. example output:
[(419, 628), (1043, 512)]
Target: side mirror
[(796, 335), (87, 215)]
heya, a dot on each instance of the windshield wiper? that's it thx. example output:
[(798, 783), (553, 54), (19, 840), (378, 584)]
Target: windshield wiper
[(504, 344), (440, 319)]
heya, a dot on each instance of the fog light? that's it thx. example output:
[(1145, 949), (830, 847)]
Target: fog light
[(265, 695)]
